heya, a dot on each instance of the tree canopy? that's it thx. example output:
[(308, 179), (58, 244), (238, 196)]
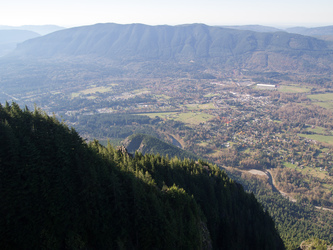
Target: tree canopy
[(57, 192)]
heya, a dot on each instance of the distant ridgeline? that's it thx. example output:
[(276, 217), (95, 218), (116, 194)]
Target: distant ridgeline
[(191, 43), (57, 192)]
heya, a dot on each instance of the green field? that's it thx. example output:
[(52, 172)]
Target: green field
[(92, 90), (307, 170), (95, 90), (293, 89), (211, 95), (317, 130), (163, 115), (140, 91), (323, 100), (194, 118), (163, 97), (200, 106), (328, 97), (289, 165), (326, 105), (320, 138), (203, 144)]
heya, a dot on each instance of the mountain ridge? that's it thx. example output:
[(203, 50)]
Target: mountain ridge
[(58, 192), (184, 43), (9, 38)]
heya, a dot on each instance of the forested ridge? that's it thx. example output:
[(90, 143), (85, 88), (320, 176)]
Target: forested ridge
[(58, 192), (150, 145)]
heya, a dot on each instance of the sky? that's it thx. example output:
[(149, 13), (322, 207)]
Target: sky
[(69, 13)]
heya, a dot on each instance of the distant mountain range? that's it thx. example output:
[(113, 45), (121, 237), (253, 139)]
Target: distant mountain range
[(256, 28), (40, 29), (10, 38), (199, 43), (325, 33), (318, 31)]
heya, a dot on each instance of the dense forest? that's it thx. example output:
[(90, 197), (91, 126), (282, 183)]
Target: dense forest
[(58, 192), (296, 221)]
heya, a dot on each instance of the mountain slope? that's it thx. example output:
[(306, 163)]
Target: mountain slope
[(324, 33), (184, 43), (57, 192), (149, 145), (10, 38)]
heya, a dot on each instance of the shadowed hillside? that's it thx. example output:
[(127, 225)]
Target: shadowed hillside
[(146, 144), (57, 192)]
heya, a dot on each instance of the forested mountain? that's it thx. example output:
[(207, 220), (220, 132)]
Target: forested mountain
[(150, 145), (57, 192), (185, 43)]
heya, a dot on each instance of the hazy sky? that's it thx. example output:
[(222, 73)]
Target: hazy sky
[(213, 12)]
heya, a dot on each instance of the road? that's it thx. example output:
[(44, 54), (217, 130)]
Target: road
[(271, 182)]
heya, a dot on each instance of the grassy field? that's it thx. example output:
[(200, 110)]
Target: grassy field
[(140, 91), (322, 97), (293, 89), (320, 138), (211, 95), (191, 118), (289, 165), (317, 130), (316, 172), (163, 115), (326, 105), (216, 153), (200, 106), (93, 90), (163, 97), (323, 100), (96, 89), (203, 144), (194, 118)]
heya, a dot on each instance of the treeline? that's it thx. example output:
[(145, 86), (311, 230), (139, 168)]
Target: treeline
[(113, 125), (107, 120), (57, 192)]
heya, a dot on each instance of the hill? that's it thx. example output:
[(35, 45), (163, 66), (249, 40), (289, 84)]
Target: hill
[(325, 33), (58, 192), (150, 145), (199, 43), (10, 38)]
